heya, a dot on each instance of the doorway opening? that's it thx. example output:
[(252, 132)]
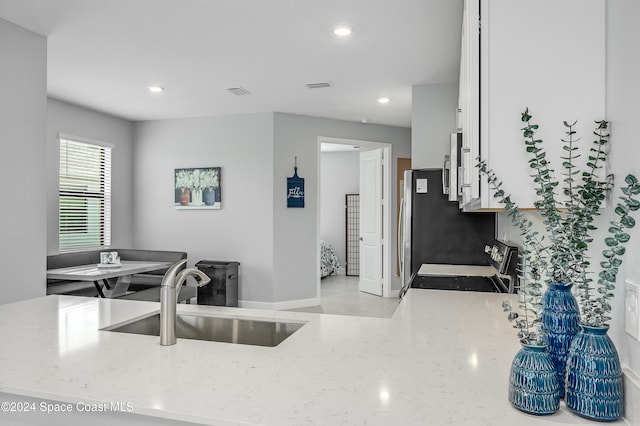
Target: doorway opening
[(381, 264)]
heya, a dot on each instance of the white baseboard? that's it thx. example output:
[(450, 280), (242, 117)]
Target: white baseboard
[(279, 306), (631, 397)]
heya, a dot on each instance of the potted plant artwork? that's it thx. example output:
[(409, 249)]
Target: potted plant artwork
[(198, 188)]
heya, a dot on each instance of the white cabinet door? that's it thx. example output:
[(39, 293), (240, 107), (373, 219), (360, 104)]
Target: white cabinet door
[(545, 55), (469, 101)]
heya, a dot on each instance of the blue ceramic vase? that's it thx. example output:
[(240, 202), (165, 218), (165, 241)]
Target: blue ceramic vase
[(560, 323), (594, 387), (533, 381)]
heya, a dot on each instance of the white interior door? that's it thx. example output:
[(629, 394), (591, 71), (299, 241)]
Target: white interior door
[(371, 222)]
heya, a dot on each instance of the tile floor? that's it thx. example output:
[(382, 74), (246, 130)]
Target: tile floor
[(340, 296)]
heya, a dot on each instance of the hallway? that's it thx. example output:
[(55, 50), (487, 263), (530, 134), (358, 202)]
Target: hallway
[(340, 296)]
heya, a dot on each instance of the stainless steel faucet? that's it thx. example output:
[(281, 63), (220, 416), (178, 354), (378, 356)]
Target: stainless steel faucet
[(171, 284)]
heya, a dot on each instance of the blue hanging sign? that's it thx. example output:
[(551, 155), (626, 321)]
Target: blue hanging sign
[(295, 190)]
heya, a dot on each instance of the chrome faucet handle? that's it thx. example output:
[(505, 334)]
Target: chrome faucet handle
[(199, 276)]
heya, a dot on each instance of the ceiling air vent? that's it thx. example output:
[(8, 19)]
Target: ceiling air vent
[(238, 91), (318, 85)]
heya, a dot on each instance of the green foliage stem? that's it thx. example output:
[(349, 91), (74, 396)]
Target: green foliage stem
[(546, 204), (563, 256), (596, 310), (532, 259)]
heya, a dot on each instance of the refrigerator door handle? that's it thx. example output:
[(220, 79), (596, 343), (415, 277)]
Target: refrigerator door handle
[(407, 207), (400, 239)]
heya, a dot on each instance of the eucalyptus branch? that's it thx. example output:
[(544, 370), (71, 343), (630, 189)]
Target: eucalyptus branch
[(529, 290), (573, 218), (531, 238), (568, 164), (592, 193), (565, 259), (533, 259), (598, 309), (546, 205)]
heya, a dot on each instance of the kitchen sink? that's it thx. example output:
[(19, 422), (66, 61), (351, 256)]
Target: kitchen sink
[(215, 329)]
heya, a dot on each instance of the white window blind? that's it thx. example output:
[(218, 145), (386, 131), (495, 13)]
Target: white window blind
[(85, 195)]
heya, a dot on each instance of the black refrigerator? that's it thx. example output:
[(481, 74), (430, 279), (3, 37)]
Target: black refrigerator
[(432, 229)]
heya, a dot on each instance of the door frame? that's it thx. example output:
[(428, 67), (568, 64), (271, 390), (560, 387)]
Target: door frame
[(387, 231)]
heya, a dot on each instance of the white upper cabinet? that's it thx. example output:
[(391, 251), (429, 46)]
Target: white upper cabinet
[(545, 55)]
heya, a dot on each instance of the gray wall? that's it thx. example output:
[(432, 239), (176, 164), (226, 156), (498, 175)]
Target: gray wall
[(339, 175), (295, 230), (433, 119), (23, 103), (276, 246), (242, 230), (63, 117), (623, 87)]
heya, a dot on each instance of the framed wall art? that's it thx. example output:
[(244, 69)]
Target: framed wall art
[(198, 188)]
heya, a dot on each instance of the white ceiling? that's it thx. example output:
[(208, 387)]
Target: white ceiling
[(103, 54)]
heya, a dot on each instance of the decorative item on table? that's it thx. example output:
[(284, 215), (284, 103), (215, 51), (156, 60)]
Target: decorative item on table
[(533, 382), (109, 259), (594, 376), (560, 317), (197, 188), (594, 387), (295, 188), (562, 261), (534, 387)]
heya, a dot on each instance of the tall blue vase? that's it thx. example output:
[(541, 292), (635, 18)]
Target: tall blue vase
[(560, 322), (594, 376), (533, 382)]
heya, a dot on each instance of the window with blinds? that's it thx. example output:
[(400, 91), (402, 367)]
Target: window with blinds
[(84, 214)]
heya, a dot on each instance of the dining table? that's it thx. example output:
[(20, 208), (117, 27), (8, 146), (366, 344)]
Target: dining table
[(110, 280)]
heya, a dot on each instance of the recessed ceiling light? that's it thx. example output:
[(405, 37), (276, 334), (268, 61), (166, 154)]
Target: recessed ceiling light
[(155, 89), (383, 100), (342, 31), (238, 91)]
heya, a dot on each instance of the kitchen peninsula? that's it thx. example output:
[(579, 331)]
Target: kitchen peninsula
[(443, 358)]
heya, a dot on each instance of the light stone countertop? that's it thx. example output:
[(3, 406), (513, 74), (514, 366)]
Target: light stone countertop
[(442, 359), (456, 270)]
